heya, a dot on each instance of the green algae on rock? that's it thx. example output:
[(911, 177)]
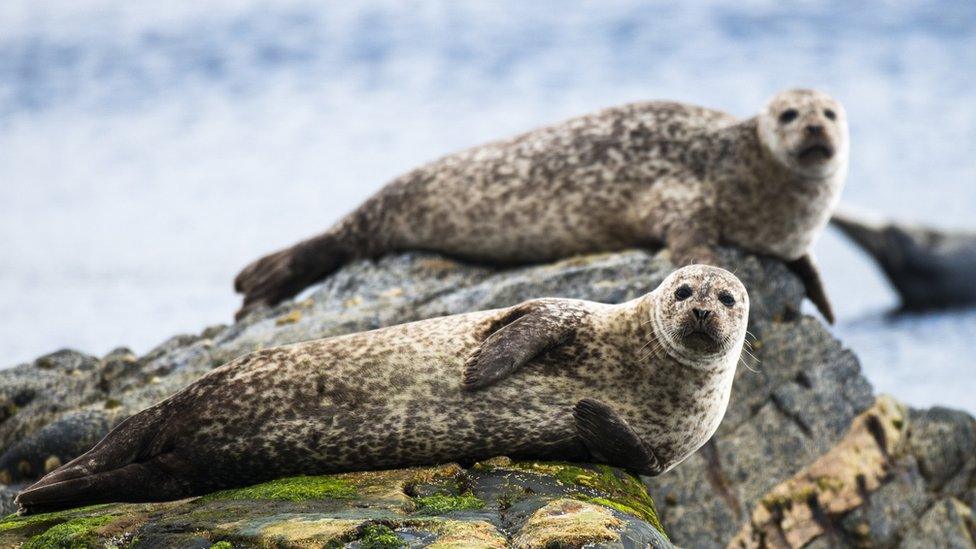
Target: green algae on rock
[(439, 504), (298, 488), (379, 536), (441, 507), (626, 492), (77, 533)]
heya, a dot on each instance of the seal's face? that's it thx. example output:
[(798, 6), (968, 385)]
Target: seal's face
[(700, 314), (806, 131)]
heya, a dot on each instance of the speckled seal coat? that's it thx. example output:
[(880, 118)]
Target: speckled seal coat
[(642, 384), (644, 174)]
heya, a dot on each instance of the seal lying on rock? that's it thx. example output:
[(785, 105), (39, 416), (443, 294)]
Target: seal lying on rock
[(930, 269), (644, 174), (641, 385)]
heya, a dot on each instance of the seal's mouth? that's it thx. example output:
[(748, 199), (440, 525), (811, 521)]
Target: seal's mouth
[(700, 339), (815, 151)]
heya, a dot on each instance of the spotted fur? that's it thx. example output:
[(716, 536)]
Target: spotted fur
[(393, 397), (643, 174)]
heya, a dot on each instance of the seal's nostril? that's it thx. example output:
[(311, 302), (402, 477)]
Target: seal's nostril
[(701, 314), (814, 129)]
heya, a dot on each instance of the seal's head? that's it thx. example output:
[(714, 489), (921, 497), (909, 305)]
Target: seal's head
[(806, 132), (700, 314)]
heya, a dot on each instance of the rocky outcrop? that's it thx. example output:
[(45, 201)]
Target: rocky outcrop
[(797, 460), (491, 505)]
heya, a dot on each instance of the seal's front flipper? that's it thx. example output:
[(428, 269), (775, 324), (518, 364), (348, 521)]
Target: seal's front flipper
[(806, 269), (515, 344), (611, 440)]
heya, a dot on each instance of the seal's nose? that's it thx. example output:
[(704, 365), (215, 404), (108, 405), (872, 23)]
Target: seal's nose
[(700, 314), (814, 129)]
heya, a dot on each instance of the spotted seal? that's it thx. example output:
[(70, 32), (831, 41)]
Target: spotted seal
[(641, 384), (638, 175)]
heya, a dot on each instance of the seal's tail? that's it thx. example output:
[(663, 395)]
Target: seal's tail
[(283, 274), (119, 468)]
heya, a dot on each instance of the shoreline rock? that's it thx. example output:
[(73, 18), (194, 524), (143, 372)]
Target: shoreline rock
[(793, 405), (494, 504)]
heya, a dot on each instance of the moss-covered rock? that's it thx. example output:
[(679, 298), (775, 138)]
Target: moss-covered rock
[(445, 507), (293, 489), (796, 407), (569, 523), (440, 503)]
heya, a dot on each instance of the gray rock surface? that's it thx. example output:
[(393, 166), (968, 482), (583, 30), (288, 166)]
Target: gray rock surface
[(791, 404)]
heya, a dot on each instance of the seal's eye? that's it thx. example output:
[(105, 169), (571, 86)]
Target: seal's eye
[(726, 299), (830, 114), (683, 293), (788, 116)]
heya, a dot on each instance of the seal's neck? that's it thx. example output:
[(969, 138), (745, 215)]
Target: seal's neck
[(763, 205)]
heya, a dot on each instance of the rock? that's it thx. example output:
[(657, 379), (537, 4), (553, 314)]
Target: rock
[(949, 521), (883, 518), (34, 395), (56, 443), (944, 441), (871, 488), (495, 504), (799, 405), (799, 510)]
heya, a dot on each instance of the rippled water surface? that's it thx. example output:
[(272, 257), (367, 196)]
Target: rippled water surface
[(150, 149)]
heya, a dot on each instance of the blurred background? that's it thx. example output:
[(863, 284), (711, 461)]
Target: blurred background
[(149, 150)]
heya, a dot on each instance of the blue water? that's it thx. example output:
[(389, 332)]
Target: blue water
[(148, 150)]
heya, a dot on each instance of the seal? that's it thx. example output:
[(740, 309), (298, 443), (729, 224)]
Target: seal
[(640, 175), (930, 269), (641, 385)]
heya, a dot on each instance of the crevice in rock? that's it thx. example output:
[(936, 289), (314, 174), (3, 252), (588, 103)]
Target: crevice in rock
[(719, 481), (803, 380), (877, 431), (791, 415)]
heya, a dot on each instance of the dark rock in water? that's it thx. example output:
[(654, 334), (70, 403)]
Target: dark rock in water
[(930, 269), (806, 451)]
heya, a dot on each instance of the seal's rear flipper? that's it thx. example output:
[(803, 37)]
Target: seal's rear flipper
[(806, 269), (611, 440), (281, 275), (126, 444), (136, 482)]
